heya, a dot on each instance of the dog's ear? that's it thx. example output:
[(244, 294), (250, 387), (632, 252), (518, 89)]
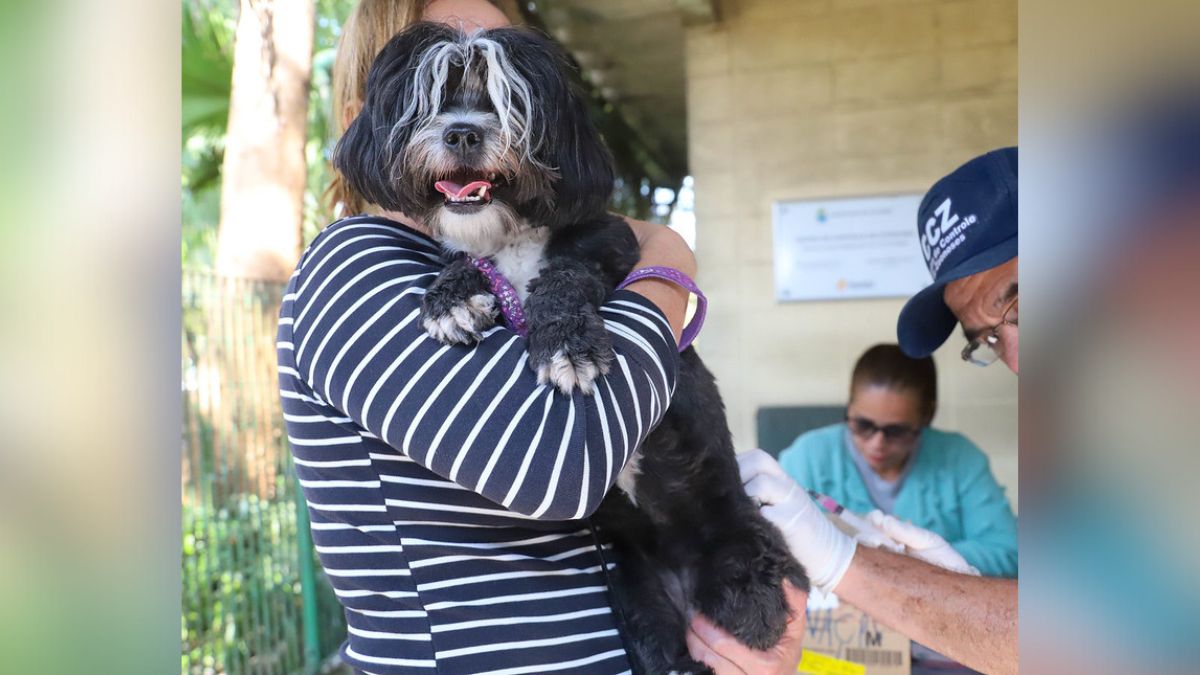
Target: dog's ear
[(371, 151), (569, 141), (585, 164)]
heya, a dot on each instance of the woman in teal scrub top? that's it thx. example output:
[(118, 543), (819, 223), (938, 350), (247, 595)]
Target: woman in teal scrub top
[(886, 456)]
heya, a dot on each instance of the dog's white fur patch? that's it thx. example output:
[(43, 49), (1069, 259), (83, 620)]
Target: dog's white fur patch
[(509, 93), (627, 479), (521, 261), (445, 329), (464, 323), (482, 233)]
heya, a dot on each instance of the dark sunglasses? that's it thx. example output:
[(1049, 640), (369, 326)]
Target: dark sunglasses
[(865, 429)]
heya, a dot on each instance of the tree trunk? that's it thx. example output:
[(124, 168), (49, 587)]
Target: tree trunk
[(264, 172)]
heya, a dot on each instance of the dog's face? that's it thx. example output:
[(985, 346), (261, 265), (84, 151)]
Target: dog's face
[(477, 136)]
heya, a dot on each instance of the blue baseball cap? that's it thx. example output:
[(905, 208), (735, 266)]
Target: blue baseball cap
[(967, 223)]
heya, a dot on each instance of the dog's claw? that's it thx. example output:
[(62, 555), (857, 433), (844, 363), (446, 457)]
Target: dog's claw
[(567, 373)]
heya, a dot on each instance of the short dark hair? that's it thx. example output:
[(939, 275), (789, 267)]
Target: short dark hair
[(885, 365)]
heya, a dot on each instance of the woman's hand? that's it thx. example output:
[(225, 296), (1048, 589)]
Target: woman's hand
[(725, 655), (663, 247)]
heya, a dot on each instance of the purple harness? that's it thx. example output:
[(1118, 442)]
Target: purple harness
[(514, 313)]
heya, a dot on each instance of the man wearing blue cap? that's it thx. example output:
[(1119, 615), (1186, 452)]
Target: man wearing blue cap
[(967, 226)]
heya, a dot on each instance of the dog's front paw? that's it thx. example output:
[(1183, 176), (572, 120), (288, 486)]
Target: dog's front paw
[(741, 586), (459, 323), (571, 354), (755, 613)]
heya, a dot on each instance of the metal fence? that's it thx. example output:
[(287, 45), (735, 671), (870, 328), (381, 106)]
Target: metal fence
[(254, 600)]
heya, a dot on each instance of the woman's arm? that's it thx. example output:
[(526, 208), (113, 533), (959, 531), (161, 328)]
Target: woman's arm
[(474, 414), (662, 246), (989, 539)]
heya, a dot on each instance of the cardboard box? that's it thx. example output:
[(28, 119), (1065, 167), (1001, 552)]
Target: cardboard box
[(839, 630)]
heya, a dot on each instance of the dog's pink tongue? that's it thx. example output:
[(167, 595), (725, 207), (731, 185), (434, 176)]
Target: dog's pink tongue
[(455, 191)]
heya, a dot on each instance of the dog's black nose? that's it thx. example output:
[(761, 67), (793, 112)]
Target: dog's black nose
[(463, 138)]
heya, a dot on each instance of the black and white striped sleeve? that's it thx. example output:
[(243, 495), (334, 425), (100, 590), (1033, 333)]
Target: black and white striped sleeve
[(476, 414)]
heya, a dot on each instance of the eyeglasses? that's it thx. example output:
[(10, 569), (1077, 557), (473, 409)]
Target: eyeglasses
[(984, 349), (892, 433)]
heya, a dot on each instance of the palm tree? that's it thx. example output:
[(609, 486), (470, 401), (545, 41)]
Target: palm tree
[(207, 60), (264, 171)]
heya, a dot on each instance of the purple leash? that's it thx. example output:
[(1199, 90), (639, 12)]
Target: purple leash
[(514, 313), (510, 302)]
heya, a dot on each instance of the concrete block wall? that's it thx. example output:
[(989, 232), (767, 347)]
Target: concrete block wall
[(794, 99)]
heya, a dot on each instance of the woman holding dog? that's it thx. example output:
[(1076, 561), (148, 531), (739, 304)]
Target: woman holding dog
[(452, 524)]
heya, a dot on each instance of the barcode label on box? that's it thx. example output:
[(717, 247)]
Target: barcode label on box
[(813, 663), (874, 657)]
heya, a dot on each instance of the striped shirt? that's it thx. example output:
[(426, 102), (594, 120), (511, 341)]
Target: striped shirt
[(448, 490)]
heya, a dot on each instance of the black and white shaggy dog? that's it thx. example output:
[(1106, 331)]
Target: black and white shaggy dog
[(485, 140)]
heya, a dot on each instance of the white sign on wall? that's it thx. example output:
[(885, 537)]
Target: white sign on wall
[(833, 249)]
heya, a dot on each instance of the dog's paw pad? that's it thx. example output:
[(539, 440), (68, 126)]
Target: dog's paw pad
[(567, 374)]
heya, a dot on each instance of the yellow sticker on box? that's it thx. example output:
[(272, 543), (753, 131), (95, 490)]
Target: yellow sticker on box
[(815, 663)]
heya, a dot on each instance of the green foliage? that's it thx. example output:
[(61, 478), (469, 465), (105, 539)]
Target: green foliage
[(243, 545), (206, 78), (207, 64), (241, 609)]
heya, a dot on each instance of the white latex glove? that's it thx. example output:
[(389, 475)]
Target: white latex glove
[(823, 549), (921, 543)]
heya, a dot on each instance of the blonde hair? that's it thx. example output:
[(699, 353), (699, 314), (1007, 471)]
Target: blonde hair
[(366, 31)]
